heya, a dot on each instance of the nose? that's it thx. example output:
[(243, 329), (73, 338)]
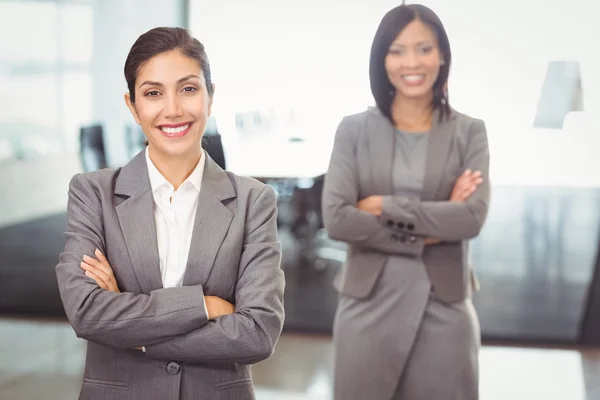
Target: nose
[(173, 107), (412, 59)]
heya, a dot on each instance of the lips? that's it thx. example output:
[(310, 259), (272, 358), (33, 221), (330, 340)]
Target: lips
[(413, 79), (175, 130)]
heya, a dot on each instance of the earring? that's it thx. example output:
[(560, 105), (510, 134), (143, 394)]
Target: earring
[(443, 62)]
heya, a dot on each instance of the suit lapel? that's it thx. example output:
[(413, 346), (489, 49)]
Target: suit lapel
[(438, 149), (381, 148), (211, 224), (136, 218)]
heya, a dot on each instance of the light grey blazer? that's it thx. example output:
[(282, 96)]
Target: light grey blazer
[(361, 165), (234, 254)]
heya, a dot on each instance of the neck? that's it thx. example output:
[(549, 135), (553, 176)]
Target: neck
[(175, 169), (412, 113)]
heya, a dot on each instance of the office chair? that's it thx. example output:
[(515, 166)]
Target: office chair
[(135, 140), (91, 148), (212, 143)]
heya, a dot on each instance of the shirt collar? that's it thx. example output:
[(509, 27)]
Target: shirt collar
[(157, 180)]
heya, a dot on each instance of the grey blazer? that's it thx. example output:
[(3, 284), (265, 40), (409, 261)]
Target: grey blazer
[(235, 254), (361, 165)]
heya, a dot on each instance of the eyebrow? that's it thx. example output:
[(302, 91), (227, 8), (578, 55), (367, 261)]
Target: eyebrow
[(185, 78), (395, 44)]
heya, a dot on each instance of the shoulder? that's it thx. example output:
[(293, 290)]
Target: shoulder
[(360, 117), (88, 191), (356, 124), (371, 114), (251, 189), (94, 181), (467, 124), (470, 132)]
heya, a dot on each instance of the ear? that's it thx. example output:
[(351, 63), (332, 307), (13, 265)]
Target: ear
[(131, 107), (210, 100)]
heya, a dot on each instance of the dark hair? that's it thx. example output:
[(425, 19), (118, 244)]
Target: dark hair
[(390, 27), (161, 40)]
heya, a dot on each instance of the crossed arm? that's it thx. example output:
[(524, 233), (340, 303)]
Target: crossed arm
[(374, 221), (127, 320)]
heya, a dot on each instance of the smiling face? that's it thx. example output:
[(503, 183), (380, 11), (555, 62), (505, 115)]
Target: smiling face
[(413, 61), (172, 105)]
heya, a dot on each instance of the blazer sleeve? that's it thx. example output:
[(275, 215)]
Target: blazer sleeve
[(343, 220), (249, 335), (446, 220), (122, 320)]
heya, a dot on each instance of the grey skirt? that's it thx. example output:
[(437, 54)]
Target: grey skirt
[(403, 342)]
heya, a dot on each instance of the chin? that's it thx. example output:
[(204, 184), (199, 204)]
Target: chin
[(413, 94), (177, 149)]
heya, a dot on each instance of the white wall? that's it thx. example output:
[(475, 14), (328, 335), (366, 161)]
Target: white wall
[(117, 24), (45, 96), (269, 51), (313, 56), (65, 73)]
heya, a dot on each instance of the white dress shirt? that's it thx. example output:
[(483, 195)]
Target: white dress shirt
[(174, 214)]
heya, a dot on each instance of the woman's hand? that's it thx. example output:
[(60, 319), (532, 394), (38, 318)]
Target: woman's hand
[(429, 241), (99, 270), (465, 186), (371, 204), (217, 307)]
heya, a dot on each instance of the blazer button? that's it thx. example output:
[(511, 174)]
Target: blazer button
[(394, 237), (410, 227), (390, 223), (403, 238), (400, 225), (173, 368), (412, 239)]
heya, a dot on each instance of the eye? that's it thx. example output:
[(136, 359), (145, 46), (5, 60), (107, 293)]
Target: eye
[(395, 52), (189, 89), (152, 93), (426, 49)]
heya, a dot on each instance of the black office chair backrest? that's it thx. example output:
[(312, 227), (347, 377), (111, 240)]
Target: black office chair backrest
[(212, 143), (91, 149), (135, 140)]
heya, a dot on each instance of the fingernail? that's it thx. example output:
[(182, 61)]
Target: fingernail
[(97, 252), (87, 273), (468, 171), (85, 257)]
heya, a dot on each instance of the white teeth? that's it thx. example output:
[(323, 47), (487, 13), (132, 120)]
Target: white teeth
[(173, 131), (413, 78)]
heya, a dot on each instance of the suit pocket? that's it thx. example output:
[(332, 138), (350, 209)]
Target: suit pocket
[(237, 389), (106, 384), (359, 274)]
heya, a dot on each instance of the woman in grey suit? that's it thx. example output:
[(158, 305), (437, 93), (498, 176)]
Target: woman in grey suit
[(171, 268), (407, 187)]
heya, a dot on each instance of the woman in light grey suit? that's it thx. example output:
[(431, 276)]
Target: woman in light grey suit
[(407, 187), (171, 268)]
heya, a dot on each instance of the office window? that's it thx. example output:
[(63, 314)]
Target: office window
[(512, 63), (45, 76), (36, 67)]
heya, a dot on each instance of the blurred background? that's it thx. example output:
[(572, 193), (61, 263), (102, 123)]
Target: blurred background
[(285, 75)]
